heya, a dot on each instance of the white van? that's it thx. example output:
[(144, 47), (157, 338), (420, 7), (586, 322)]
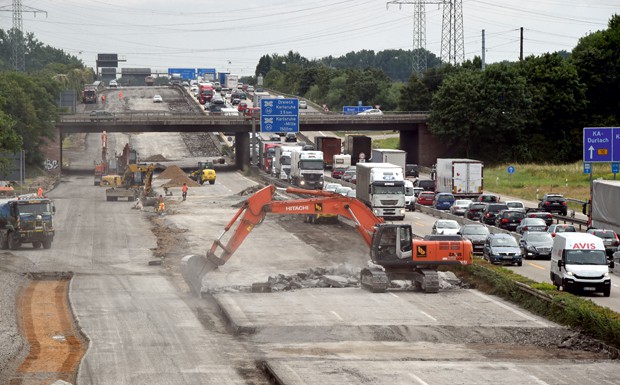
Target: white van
[(579, 262), (409, 196)]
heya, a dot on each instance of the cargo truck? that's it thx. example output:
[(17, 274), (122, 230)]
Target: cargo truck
[(231, 81), (307, 169), (26, 220), (461, 177), (605, 201), (282, 161), (330, 146), (358, 146), (383, 155), (381, 186)]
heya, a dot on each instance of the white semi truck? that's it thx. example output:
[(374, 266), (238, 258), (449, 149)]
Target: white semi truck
[(307, 169), (381, 186), (461, 177), (282, 161), (605, 212)]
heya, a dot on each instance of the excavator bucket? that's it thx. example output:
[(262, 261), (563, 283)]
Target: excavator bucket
[(194, 269)]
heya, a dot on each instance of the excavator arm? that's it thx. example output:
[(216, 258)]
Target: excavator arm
[(256, 207)]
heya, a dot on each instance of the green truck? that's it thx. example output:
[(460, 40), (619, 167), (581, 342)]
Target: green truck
[(26, 220)]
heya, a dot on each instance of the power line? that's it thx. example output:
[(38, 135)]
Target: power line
[(18, 41)]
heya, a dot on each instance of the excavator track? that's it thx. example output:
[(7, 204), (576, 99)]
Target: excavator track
[(427, 280), (374, 280)]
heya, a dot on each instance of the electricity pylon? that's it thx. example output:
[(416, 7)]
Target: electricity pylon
[(19, 50)]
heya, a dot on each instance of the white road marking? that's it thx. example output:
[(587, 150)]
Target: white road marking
[(429, 316), (392, 294), (337, 316), (515, 311), (538, 380), (418, 379)]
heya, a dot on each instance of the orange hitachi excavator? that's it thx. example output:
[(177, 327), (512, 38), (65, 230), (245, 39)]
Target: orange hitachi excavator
[(393, 251)]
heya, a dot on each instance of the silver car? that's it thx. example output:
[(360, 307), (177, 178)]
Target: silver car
[(460, 206)]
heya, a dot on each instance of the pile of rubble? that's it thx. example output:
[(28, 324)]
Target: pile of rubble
[(176, 177), (338, 277)]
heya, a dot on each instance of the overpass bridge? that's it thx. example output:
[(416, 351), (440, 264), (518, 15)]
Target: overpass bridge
[(421, 146)]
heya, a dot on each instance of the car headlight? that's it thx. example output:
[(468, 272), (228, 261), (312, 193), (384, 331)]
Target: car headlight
[(570, 273), (302, 182), (402, 211), (606, 275)]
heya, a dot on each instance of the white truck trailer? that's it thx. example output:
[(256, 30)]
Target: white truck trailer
[(381, 186), (386, 155), (461, 177), (605, 211), (282, 161), (307, 169)]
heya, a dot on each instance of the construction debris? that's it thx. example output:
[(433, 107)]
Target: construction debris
[(176, 177)]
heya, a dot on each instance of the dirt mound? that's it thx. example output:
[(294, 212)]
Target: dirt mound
[(177, 177), (156, 158)]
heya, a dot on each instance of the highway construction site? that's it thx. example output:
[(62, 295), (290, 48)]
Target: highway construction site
[(286, 308)]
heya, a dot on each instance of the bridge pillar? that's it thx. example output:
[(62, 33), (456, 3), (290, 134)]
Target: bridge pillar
[(242, 150), (410, 142)]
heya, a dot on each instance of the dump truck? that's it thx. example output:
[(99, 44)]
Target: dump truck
[(26, 220), (394, 252)]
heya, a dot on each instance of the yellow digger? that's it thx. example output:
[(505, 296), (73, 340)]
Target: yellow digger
[(135, 183)]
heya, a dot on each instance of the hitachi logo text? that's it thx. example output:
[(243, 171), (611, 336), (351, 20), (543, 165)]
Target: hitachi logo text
[(298, 208)]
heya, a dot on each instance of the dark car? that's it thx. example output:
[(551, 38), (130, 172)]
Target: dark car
[(488, 198), (411, 170), (426, 198), (443, 201), (536, 244), (553, 203), (509, 219), (476, 234), (474, 211), (502, 248), (426, 184), (548, 218), (531, 224), (609, 237), (290, 137), (101, 115), (487, 215)]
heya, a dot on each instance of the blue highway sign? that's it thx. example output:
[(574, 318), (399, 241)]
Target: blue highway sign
[(587, 168), (615, 168), (354, 110), (279, 115), (511, 169), (601, 144), (209, 72), (186, 73)]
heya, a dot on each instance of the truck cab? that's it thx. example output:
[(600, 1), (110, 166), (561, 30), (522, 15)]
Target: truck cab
[(579, 263), (307, 169)]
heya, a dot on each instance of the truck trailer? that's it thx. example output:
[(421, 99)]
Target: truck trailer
[(461, 177), (604, 213), (383, 155), (330, 146), (282, 161), (381, 186), (358, 146)]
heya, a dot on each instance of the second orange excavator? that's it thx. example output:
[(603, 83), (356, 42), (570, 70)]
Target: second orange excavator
[(394, 252)]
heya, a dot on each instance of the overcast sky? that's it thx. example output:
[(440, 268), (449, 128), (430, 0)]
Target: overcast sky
[(233, 35)]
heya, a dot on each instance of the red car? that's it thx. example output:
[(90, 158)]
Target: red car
[(338, 171), (252, 112), (242, 106), (426, 198)]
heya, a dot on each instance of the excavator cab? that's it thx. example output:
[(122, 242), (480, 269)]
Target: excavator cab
[(391, 243)]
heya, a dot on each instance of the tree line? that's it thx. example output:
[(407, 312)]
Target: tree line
[(532, 110)]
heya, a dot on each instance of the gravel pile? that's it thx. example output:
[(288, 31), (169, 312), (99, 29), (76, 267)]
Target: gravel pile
[(203, 144), (176, 177)]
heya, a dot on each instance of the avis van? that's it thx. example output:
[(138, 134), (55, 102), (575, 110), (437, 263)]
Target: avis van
[(579, 263)]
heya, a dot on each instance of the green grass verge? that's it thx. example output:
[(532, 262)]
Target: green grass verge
[(596, 321)]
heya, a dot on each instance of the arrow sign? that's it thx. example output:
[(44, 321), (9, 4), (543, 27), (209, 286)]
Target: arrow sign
[(598, 144)]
